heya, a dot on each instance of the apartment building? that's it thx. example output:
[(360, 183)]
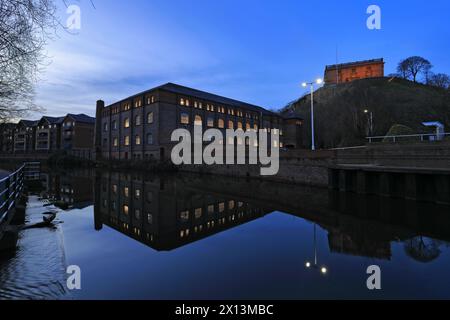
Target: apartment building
[(77, 135), (48, 134), (25, 136), (140, 126), (7, 138)]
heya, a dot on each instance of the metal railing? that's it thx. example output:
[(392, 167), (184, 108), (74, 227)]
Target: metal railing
[(420, 137), (10, 189)]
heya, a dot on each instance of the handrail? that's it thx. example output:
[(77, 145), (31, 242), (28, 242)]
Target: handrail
[(10, 188), (422, 136)]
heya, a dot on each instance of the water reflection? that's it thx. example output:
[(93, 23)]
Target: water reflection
[(168, 212), (177, 213)]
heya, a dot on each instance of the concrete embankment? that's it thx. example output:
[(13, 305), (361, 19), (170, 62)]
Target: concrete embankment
[(299, 167)]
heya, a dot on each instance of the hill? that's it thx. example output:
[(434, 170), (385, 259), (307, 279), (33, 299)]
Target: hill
[(339, 110)]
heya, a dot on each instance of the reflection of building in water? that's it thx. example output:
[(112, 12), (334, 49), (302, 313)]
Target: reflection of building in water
[(166, 213), (73, 188)]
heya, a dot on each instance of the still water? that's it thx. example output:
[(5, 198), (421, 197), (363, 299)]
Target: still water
[(140, 236)]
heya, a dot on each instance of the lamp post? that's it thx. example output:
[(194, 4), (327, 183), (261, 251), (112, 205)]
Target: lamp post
[(309, 265), (311, 84), (370, 120)]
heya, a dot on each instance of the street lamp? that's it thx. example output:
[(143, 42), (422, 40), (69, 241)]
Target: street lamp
[(315, 265), (370, 121), (305, 84)]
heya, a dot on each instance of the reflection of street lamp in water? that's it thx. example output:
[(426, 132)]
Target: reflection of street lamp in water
[(309, 265)]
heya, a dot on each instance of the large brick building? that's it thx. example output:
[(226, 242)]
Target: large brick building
[(347, 72), (140, 127)]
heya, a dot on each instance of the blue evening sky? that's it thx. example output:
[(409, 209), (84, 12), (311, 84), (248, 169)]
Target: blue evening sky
[(256, 51)]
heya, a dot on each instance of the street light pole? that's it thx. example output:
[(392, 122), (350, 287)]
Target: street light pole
[(313, 133)]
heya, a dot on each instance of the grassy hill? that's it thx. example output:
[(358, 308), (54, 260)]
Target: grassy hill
[(339, 110)]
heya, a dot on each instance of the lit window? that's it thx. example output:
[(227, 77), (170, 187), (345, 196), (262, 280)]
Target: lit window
[(221, 207), (115, 142), (275, 143), (184, 118), (138, 140), (230, 124), (247, 126), (127, 140), (221, 124), (231, 205), (198, 121), (150, 218), (210, 122), (211, 209), (182, 102), (239, 125), (126, 210), (126, 192), (126, 123), (198, 213), (137, 193), (255, 127), (114, 188)]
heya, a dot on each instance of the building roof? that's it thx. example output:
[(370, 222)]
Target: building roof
[(53, 120), (182, 90), (83, 118), (29, 123), (353, 64)]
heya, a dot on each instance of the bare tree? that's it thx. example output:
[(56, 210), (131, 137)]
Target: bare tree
[(411, 67), (440, 80), (25, 27)]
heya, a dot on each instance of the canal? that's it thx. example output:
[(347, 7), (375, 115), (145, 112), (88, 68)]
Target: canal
[(145, 236)]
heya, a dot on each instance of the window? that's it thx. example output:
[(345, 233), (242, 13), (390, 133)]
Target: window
[(239, 125), (137, 193), (114, 188), (198, 213), (211, 209), (231, 205), (114, 125), (255, 127), (198, 121), (137, 121), (126, 192), (127, 140), (126, 123), (182, 102), (230, 124), (221, 207), (150, 218), (137, 140), (247, 126), (137, 214), (184, 118), (150, 138), (184, 216), (126, 209), (115, 142), (150, 118), (221, 124), (105, 127), (210, 122), (150, 99)]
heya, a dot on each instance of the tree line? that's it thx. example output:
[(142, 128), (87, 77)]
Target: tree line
[(417, 68)]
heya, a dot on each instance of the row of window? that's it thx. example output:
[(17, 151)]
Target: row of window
[(184, 102), (127, 122), (127, 106), (126, 140)]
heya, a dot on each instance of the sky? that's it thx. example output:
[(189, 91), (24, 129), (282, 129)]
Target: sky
[(255, 51)]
